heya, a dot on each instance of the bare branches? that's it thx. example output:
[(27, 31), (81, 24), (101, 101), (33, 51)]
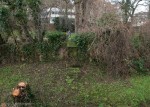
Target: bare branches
[(128, 8)]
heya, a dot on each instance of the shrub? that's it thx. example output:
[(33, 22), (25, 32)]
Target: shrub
[(136, 41), (56, 40), (111, 48), (139, 65), (8, 53), (83, 42), (29, 51), (141, 49), (60, 25), (71, 40), (4, 19), (44, 49), (33, 51)]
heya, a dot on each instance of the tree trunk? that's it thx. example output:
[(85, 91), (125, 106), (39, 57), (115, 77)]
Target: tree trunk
[(27, 34), (1, 40), (66, 14), (77, 15), (38, 27), (83, 9), (80, 9)]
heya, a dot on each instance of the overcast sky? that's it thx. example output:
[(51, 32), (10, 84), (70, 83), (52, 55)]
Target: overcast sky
[(142, 8)]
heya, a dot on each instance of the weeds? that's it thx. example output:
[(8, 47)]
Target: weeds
[(57, 86)]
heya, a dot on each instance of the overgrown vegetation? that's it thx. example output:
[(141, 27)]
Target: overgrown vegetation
[(59, 86), (101, 47), (98, 59), (141, 48), (109, 44), (61, 25), (15, 16)]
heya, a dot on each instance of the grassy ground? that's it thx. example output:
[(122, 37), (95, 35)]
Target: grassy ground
[(55, 85)]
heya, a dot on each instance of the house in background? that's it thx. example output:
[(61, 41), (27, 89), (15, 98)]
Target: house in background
[(48, 15)]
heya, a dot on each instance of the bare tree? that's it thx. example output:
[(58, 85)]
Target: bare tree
[(89, 11), (128, 8)]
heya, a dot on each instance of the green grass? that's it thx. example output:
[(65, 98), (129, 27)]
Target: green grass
[(132, 93), (54, 85)]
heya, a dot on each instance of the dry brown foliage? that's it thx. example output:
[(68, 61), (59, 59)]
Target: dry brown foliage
[(112, 47)]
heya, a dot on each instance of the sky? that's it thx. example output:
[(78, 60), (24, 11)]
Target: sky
[(141, 8)]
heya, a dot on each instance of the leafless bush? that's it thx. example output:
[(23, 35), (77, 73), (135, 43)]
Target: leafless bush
[(111, 46)]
